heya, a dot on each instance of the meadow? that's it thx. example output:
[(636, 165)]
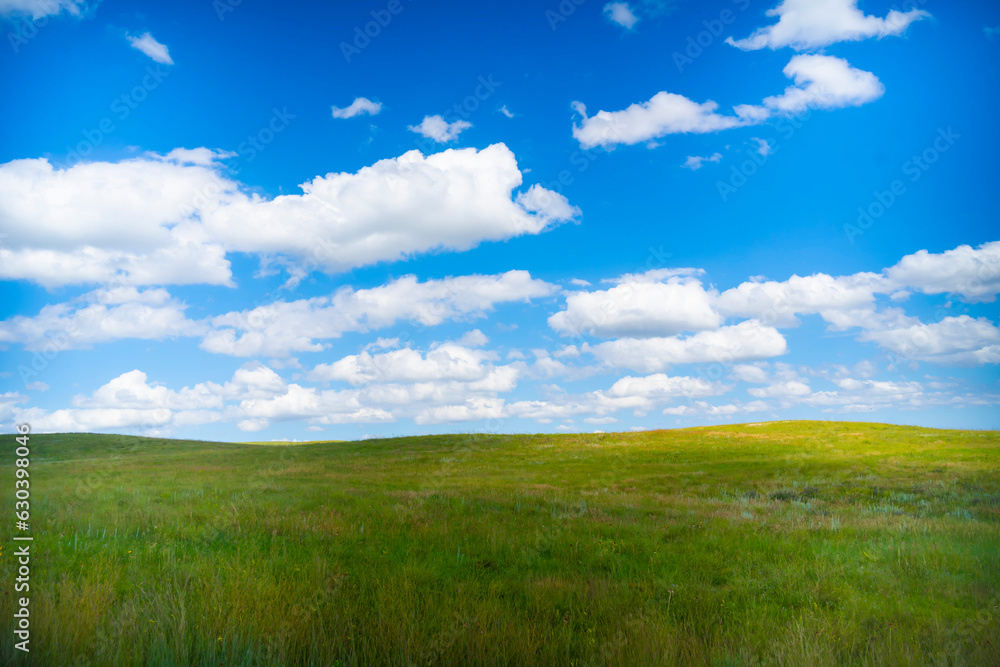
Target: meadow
[(786, 543)]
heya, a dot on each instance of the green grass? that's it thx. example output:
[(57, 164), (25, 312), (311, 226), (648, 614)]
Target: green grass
[(792, 543)]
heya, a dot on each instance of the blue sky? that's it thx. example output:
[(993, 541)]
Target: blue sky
[(254, 221)]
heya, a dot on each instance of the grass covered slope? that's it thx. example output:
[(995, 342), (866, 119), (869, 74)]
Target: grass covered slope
[(789, 543)]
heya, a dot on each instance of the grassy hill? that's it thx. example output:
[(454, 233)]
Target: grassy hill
[(788, 543)]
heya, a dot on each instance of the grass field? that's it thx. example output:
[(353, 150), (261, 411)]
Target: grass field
[(791, 543)]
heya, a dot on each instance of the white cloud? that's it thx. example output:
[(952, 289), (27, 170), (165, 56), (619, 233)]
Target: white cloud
[(748, 340), (600, 421), (298, 402), (98, 419), (781, 389), (665, 113), (656, 303), (126, 222), (638, 394), (171, 219), (506, 112), (152, 48), (394, 209), (660, 386), (810, 24), (474, 338), (9, 402), (694, 162), (973, 274), (448, 361), (132, 391), (620, 13), (824, 82), (878, 387), (130, 402), (869, 395), (252, 425), (101, 316), (38, 8), (750, 373), (763, 147), (360, 105), (474, 409), (440, 130), (703, 408), (778, 302), (954, 340), (448, 383), (280, 328)]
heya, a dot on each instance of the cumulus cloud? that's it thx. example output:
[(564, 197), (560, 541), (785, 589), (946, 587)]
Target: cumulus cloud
[(100, 316), (281, 328), (103, 222), (778, 303), (394, 209), (473, 409), (663, 386), (172, 219), (824, 82), (750, 373), (474, 338), (663, 114), (656, 303), (638, 394), (821, 82), (429, 388), (748, 340), (130, 402), (9, 402), (704, 408), (132, 390), (621, 13), (276, 329), (868, 395), (320, 407), (781, 389), (440, 130), (448, 361), (152, 48), (810, 24), (254, 396), (970, 273), (959, 340), (360, 105)]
